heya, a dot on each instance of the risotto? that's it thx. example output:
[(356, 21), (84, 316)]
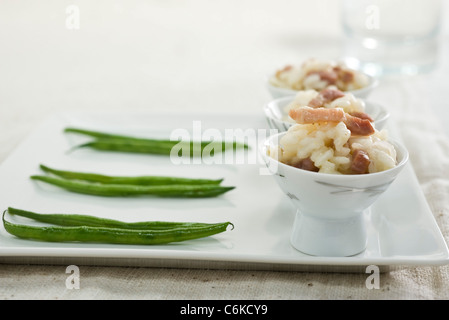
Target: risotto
[(318, 75), (332, 141), (327, 98)]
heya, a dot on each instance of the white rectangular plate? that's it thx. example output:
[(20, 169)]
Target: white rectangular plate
[(402, 231)]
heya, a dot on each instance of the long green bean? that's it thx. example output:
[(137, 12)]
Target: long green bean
[(104, 135), (73, 220), (120, 143), (137, 180), (110, 235), (132, 146), (117, 190), (181, 148)]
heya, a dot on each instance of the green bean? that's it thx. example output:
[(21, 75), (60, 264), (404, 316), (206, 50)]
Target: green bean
[(117, 190), (111, 235), (138, 180), (182, 148), (72, 220), (121, 143), (104, 135), (131, 146)]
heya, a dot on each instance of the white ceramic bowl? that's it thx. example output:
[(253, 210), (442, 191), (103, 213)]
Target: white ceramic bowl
[(331, 208), (277, 92), (276, 115)]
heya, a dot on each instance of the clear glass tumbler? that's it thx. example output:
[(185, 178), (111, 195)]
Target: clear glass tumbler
[(384, 37)]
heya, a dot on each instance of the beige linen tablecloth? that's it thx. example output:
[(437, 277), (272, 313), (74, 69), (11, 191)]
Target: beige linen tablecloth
[(159, 56)]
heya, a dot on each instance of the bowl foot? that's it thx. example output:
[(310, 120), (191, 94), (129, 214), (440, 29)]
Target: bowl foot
[(329, 237)]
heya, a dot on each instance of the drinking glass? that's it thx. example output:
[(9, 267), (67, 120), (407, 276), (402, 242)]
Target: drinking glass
[(384, 37)]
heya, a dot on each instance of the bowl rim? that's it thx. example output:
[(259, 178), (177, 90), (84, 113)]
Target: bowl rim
[(275, 103), (396, 143)]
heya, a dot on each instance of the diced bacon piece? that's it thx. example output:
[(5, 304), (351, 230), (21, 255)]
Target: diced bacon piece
[(346, 76), (337, 68), (361, 115), (360, 162), (311, 115), (331, 94), (330, 77), (359, 127), (306, 164), (325, 96), (316, 102)]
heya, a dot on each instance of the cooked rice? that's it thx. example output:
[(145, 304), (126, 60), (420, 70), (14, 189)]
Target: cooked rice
[(349, 103), (301, 77), (330, 146)]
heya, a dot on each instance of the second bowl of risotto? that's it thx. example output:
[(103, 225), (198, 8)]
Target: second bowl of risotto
[(332, 171), (277, 110)]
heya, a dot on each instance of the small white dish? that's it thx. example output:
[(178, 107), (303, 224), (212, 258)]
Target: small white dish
[(330, 217), (278, 92), (276, 115)]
